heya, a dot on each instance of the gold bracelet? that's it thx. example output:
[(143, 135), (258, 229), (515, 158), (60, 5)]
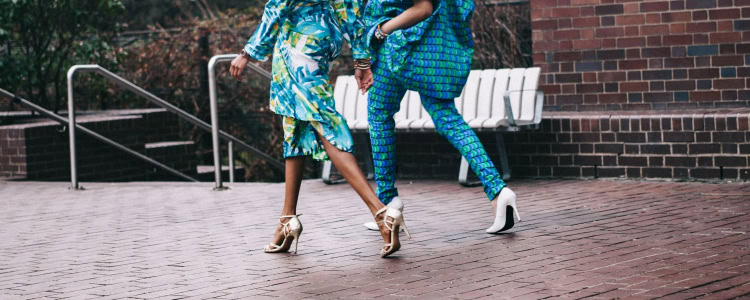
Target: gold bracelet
[(362, 64)]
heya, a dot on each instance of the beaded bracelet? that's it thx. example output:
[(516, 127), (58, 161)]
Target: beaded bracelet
[(379, 34)]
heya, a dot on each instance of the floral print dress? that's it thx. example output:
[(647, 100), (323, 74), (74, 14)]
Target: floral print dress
[(304, 36)]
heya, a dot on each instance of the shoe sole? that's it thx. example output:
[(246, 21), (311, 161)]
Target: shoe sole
[(509, 222)]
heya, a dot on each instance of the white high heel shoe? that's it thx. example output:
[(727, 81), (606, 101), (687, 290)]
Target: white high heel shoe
[(291, 230), (506, 205), (393, 221), (395, 203)]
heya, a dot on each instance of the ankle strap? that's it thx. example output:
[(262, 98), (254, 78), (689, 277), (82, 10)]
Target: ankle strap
[(382, 210)]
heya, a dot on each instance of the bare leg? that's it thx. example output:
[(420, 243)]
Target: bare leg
[(347, 165), (292, 179)]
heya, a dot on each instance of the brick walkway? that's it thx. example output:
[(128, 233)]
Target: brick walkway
[(598, 239)]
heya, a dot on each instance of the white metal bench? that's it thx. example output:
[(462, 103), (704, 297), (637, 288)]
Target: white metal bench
[(492, 100)]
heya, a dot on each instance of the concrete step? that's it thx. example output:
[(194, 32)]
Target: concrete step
[(206, 173), (32, 148), (179, 155)]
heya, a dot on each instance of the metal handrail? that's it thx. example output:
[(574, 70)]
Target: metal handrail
[(85, 130), (215, 114), (153, 99)]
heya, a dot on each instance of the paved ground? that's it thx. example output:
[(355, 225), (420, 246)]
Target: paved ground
[(597, 239)]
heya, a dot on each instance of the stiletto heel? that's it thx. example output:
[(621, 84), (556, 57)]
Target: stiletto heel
[(291, 230), (403, 225), (393, 224), (506, 212), (515, 210), (296, 240)]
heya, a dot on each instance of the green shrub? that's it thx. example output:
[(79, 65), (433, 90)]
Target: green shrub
[(42, 39)]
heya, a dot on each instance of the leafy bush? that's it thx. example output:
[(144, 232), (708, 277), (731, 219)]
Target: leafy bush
[(42, 39), (172, 64)]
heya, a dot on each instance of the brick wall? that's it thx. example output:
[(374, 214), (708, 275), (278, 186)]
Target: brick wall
[(703, 146), (40, 150), (694, 146), (642, 55)]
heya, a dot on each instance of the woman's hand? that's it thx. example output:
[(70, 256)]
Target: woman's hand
[(238, 64), (364, 79)]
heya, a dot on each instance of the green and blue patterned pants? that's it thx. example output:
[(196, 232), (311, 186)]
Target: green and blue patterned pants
[(384, 102)]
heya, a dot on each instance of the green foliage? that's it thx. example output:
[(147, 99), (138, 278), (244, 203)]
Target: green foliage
[(174, 13), (170, 63), (42, 39)]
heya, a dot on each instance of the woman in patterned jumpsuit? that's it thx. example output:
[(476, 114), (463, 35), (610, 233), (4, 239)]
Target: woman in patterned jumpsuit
[(304, 36), (432, 57)]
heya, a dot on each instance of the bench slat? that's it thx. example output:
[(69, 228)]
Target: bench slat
[(516, 84), (531, 80), (339, 92), (471, 95), (361, 110), (459, 101), (498, 116), (406, 105), (350, 108), (484, 100), (415, 110)]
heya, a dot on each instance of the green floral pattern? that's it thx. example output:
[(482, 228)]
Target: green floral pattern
[(304, 36)]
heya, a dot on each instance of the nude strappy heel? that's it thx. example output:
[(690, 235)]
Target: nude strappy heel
[(291, 230), (393, 224), (395, 203)]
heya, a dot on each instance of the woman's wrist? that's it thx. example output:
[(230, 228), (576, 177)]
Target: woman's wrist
[(362, 64), (379, 33), (244, 54)]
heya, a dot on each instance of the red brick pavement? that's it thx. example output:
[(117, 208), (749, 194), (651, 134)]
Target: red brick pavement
[(579, 239)]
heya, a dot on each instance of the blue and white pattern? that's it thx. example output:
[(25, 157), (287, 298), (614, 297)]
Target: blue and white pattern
[(434, 59), (304, 36)]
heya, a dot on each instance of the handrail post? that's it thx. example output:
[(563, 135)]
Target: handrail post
[(215, 117), (215, 112), (74, 184), (230, 149), (72, 133), (72, 124), (215, 132)]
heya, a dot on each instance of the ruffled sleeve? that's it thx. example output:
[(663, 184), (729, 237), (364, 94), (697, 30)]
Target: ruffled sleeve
[(260, 45), (348, 13), (399, 43)]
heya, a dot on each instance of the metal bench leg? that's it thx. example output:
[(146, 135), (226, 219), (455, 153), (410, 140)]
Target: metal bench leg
[(365, 142), (370, 167), (463, 174), (328, 166), (504, 166), (326, 176)]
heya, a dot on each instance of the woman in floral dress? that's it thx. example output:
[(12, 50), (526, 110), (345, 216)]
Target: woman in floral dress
[(304, 36)]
